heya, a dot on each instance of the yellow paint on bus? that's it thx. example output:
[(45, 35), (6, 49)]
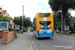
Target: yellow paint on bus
[(38, 19)]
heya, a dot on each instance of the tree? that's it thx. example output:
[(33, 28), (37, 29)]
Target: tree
[(57, 20), (4, 19), (26, 21), (66, 5)]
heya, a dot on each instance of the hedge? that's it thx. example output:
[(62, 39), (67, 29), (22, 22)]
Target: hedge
[(25, 29)]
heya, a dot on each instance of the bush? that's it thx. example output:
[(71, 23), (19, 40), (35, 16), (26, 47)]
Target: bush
[(25, 29), (4, 19), (71, 27), (18, 33), (57, 26)]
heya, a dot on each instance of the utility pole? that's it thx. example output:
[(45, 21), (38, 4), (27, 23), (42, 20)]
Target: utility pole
[(61, 21), (22, 16)]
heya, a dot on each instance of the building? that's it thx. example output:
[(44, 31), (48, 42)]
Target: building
[(1, 11), (12, 24), (4, 13), (73, 20)]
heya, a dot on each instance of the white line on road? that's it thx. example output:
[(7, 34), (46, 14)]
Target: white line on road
[(31, 41)]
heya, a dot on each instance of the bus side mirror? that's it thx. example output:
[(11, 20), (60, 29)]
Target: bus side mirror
[(35, 25)]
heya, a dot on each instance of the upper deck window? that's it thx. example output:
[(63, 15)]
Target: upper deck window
[(44, 14)]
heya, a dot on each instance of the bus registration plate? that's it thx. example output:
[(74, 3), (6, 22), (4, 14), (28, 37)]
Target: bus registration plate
[(44, 31)]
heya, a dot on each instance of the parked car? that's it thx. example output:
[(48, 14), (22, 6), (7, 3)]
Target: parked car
[(72, 31)]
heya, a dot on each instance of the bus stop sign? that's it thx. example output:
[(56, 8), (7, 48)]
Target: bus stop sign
[(66, 27)]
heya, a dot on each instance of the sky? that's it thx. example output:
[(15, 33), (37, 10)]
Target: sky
[(31, 7)]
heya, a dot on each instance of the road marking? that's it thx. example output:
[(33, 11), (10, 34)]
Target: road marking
[(31, 41)]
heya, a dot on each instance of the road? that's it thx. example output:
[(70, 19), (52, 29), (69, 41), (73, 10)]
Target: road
[(58, 42)]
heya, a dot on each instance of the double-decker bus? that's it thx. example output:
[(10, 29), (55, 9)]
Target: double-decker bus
[(43, 25)]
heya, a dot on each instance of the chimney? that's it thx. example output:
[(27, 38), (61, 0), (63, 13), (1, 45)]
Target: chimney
[(71, 16), (0, 8)]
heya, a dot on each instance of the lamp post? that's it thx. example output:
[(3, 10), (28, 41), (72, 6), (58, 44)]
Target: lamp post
[(22, 16), (61, 21)]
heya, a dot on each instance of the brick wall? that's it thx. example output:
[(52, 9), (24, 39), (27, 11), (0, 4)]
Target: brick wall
[(64, 32), (7, 36), (0, 33)]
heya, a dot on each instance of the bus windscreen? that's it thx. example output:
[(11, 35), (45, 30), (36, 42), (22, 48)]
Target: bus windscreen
[(45, 23), (44, 14)]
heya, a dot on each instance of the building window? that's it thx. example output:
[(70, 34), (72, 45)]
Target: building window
[(10, 21), (0, 13)]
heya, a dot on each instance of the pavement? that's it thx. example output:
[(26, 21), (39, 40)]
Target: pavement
[(22, 42), (72, 35)]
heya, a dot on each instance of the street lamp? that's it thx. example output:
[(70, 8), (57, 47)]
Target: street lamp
[(22, 16)]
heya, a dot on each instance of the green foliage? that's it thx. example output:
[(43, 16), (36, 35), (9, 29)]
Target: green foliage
[(26, 21), (31, 24), (69, 22), (18, 33), (71, 27), (25, 29), (57, 21), (58, 25), (66, 5), (4, 18), (18, 20)]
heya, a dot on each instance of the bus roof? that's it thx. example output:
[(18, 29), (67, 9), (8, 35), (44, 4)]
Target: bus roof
[(44, 12)]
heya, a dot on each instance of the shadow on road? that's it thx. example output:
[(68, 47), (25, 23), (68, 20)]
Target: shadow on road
[(48, 38)]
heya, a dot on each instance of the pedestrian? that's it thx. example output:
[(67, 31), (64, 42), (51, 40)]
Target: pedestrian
[(57, 31)]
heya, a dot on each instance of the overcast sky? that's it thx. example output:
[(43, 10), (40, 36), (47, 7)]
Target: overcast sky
[(31, 7)]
